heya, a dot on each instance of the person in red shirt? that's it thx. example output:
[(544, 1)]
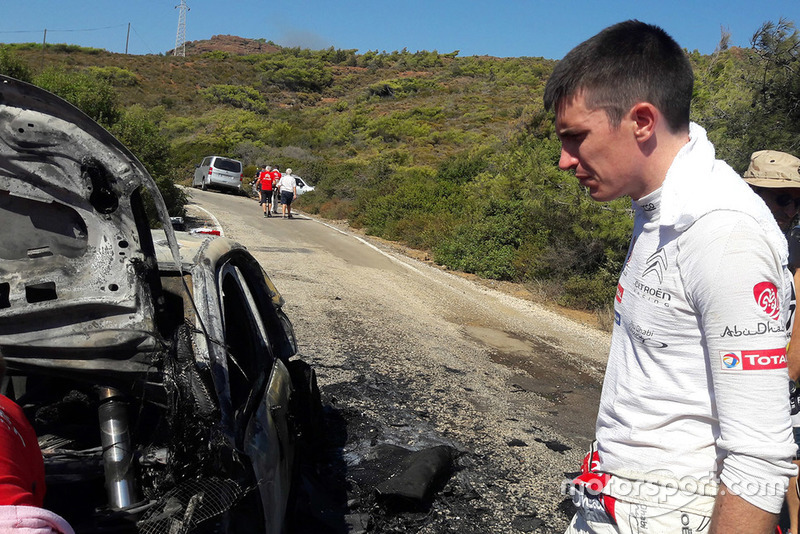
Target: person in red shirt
[(22, 483), (276, 177), (265, 178), (21, 463)]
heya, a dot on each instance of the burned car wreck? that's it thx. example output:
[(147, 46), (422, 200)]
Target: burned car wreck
[(158, 368)]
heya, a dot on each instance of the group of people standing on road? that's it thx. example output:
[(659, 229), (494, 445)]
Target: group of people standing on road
[(275, 187), (694, 429)]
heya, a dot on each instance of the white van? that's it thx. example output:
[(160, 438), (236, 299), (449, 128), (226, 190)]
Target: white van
[(219, 173)]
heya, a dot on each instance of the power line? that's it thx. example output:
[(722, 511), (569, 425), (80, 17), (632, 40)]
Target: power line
[(46, 31), (143, 41), (76, 30)]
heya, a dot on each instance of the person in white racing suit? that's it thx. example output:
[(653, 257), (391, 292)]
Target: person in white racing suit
[(693, 430)]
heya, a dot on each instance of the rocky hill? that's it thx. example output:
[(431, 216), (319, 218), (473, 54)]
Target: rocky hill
[(231, 44)]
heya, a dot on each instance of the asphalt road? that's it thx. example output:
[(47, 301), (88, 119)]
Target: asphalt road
[(409, 354)]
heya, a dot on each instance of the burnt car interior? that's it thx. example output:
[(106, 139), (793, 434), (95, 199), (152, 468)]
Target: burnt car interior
[(158, 370)]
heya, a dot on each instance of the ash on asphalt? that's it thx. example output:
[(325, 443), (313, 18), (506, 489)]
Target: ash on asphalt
[(367, 478), (379, 473)]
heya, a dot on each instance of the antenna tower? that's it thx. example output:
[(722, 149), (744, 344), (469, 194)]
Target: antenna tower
[(180, 38)]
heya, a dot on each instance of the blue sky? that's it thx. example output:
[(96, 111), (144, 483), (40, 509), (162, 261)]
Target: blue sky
[(503, 28)]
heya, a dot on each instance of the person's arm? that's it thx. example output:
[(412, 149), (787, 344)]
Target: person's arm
[(740, 292), (734, 515)]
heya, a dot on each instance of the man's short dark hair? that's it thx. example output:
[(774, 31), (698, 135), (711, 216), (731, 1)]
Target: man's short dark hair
[(624, 64)]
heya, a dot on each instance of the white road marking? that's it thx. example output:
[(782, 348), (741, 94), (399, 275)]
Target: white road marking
[(370, 245)]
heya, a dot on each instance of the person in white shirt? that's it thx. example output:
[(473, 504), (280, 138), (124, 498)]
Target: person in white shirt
[(693, 430), (288, 186)]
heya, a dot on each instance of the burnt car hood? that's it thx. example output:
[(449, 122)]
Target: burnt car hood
[(77, 263)]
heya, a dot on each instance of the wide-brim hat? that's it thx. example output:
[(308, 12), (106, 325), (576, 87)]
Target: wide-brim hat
[(770, 168)]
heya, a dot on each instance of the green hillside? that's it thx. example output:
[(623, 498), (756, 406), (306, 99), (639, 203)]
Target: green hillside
[(452, 155)]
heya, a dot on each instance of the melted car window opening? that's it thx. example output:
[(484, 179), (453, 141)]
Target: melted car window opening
[(240, 336), (246, 337), (40, 292)]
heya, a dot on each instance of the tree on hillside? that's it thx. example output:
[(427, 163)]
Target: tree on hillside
[(769, 118), (777, 93), (94, 96), (137, 130), (296, 73)]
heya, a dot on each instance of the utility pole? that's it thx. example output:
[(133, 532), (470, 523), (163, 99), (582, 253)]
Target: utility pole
[(127, 38), (180, 38)]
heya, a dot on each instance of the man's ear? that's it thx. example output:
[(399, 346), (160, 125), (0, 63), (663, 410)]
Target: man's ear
[(645, 117)]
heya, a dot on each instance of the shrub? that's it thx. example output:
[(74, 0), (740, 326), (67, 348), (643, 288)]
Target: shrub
[(11, 65), (589, 291), (219, 55), (421, 230), (71, 48), (296, 73), (115, 76), (478, 250), (401, 87), (338, 130), (397, 128), (238, 96), (93, 95), (462, 168)]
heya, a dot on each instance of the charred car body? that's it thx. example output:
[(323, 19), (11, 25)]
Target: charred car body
[(159, 372)]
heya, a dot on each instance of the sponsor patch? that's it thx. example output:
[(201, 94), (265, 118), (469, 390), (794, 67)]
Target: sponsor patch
[(620, 291), (655, 295), (753, 360), (644, 335), (766, 295), (760, 328)]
